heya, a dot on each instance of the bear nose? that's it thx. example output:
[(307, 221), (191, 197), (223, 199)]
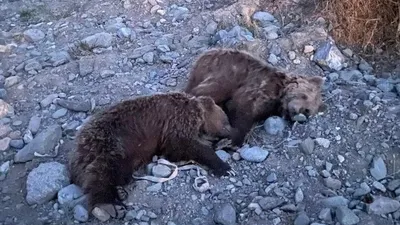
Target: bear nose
[(293, 108)]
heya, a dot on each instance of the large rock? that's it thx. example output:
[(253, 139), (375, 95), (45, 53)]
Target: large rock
[(378, 169), (33, 35), (45, 181), (384, 205), (225, 214), (102, 40), (345, 216), (329, 57), (43, 143)]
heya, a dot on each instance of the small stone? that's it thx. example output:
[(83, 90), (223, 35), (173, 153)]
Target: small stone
[(393, 184), (334, 201), (325, 173), (223, 155), (18, 144), (161, 171), (154, 188), (273, 59), (76, 106), (139, 52), (377, 185), (163, 48), (292, 55), (124, 32), (211, 28), (299, 196), (254, 154), (4, 168), (307, 146), (100, 214), (323, 142), (345, 216), (32, 65), (384, 85), (363, 190), (68, 194), (332, 183), (59, 113), (86, 66), (308, 49), (11, 81), (302, 219), (225, 214), (5, 144), (264, 19), (148, 57), (340, 158), (236, 156), (59, 58), (269, 203), (45, 181), (274, 125), (80, 213), (272, 178), (348, 52), (325, 215), (350, 75), (378, 169), (333, 76), (107, 73), (384, 205), (131, 215), (33, 35), (299, 118), (353, 116), (48, 100), (102, 40)]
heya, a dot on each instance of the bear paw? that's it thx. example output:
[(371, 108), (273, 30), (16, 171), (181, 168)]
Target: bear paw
[(224, 170)]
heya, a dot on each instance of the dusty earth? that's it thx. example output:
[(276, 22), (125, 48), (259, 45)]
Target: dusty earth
[(63, 60)]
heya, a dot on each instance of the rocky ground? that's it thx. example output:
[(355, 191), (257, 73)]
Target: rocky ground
[(63, 60)]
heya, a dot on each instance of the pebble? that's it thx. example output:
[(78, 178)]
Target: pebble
[(68, 194), (225, 214), (48, 100), (4, 168), (154, 188), (45, 181), (76, 106), (393, 184), (350, 75), (59, 58), (80, 213), (5, 109), (59, 113), (100, 214), (5, 144), (269, 203), (334, 201), (86, 66), (378, 169), (254, 154), (33, 35), (345, 216), (377, 185), (274, 125), (161, 171), (384, 205), (263, 18), (332, 183), (273, 59), (323, 142), (362, 190), (299, 118), (302, 219), (325, 215), (308, 49), (384, 85), (102, 40), (299, 196), (223, 155), (271, 178), (11, 81), (307, 146)]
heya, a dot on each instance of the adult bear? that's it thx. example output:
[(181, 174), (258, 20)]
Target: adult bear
[(124, 137), (249, 90)]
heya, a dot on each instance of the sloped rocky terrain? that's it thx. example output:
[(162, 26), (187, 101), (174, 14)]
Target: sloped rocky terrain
[(63, 60)]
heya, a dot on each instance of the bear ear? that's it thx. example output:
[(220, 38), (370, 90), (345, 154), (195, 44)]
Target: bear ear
[(207, 102), (317, 80)]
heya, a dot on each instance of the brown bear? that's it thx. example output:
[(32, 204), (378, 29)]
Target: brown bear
[(117, 141), (249, 90)]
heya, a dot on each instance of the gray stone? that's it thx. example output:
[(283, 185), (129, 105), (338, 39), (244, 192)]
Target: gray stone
[(377, 185), (384, 85), (384, 205), (101, 214), (163, 48), (48, 100), (154, 188), (393, 184), (5, 144), (211, 28), (179, 13), (33, 35), (59, 113), (18, 144), (107, 73), (273, 59), (345, 216), (269, 203), (161, 171), (148, 57), (4, 168), (225, 214), (80, 213), (350, 75), (274, 125), (329, 57), (263, 18), (333, 76), (325, 215), (364, 66), (114, 27), (139, 52), (234, 37), (43, 143), (378, 169), (124, 32), (59, 58), (76, 106), (334, 201), (362, 190), (332, 183), (302, 219), (11, 81), (198, 42), (45, 181), (86, 66), (299, 196), (34, 124), (102, 40), (223, 155), (254, 154), (370, 79), (307, 146), (299, 117), (32, 65), (272, 178), (68, 194), (3, 93)]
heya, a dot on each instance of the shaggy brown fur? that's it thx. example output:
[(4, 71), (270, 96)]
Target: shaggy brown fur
[(119, 140), (249, 90)]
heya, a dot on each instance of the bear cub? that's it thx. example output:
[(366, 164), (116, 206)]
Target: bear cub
[(117, 141), (249, 90)]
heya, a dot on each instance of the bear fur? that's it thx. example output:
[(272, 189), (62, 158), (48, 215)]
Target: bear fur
[(117, 141), (249, 90)]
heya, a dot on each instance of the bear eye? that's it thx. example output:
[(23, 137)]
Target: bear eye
[(307, 112)]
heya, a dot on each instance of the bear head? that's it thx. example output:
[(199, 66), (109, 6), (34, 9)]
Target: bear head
[(303, 95), (216, 122)]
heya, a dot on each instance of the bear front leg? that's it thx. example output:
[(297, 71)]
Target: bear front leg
[(212, 89), (240, 121)]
